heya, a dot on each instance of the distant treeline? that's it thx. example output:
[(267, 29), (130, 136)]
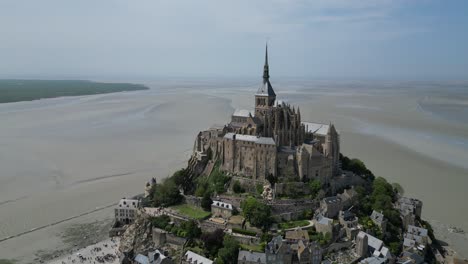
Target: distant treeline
[(27, 90)]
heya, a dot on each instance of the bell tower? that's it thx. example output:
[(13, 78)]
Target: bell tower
[(265, 96)]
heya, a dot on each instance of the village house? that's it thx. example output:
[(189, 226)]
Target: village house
[(250, 257), (323, 224), (221, 209), (410, 209), (379, 220), (331, 206), (278, 251), (154, 257), (349, 222), (294, 236), (367, 245), (125, 211), (416, 238), (191, 257)]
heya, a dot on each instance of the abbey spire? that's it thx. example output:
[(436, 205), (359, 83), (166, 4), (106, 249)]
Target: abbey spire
[(265, 96), (266, 70)]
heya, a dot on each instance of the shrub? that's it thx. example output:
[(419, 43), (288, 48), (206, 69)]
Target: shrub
[(237, 188), (244, 231), (160, 221), (206, 202)]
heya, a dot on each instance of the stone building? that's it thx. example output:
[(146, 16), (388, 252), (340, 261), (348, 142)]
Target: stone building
[(249, 257), (191, 257), (349, 222), (410, 209), (419, 235), (331, 206), (361, 244), (125, 211), (294, 236), (371, 246), (272, 141), (221, 209), (323, 224), (278, 251), (295, 250), (154, 257), (379, 219)]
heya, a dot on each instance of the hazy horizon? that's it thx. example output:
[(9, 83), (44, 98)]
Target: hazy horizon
[(333, 39)]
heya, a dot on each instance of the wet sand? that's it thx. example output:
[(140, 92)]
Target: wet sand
[(61, 157), (93, 253)]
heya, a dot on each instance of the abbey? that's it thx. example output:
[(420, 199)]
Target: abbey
[(272, 142)]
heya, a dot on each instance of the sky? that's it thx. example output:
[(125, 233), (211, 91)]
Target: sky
[(355, 39)]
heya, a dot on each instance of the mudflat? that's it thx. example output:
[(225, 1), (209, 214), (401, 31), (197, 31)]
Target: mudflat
[(64, 156)]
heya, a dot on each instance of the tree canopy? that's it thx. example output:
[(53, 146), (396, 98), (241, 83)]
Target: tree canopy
[(166, 194), (256, 212), (213, 241), (229, 252), (315, 186)]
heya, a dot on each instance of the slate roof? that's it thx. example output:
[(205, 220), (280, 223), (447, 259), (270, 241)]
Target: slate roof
[(256, 257), (316, 128), (242, 113), (222, 205), (128, 203), (249, 138), (192, 257), (265, 89)]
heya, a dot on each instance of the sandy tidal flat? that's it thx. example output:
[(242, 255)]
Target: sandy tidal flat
[(65, 156)]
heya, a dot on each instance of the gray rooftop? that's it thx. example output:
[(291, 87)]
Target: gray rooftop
[(316, 128), (377, 217), (242, 113), (222, 205), (417, 230), (249, 138), (256, 257), (265, 89), (128, 203), (374, 260), (332, 199), (192, 257), (373, 242)]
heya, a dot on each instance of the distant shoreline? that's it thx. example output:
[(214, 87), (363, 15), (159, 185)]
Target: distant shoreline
[(17, 90)]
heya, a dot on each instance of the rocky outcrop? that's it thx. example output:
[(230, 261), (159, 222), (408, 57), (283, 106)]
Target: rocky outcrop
[(138, 237)]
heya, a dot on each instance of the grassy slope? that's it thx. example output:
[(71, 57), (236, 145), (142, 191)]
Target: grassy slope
[(27, 90), (191, 211)]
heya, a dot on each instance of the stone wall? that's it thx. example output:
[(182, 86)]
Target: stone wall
[(175, 240), (192, 200), (250, 185), (247, 240)]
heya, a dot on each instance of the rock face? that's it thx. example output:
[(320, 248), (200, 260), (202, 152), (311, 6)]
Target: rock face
[(138, 237)]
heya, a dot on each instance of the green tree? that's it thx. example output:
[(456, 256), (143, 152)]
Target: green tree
[(160, 221), (398, 188), (256, 212), (182, 179), (315, 186), (213, 241), (166, 194), (259, 188), (191, 229), (237, 188), (229, 252), (206, 201)]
